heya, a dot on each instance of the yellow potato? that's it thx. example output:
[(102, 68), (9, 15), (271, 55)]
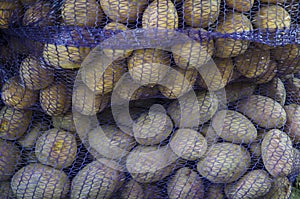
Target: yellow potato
[(201, 13), (82, 13), (240, 5), (288, 67), (39, 14), (7, 10), (268, 75), (16, 95), (233, 23)]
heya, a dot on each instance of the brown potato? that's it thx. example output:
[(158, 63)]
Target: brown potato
[(240, 5), (16, 95), (281, 189), (64, 122), (82, 13), (274, 89), (7, 10), (288, 67), (268, 75), (35, 74), (200, 14), (39, 14), (292, 86), (292, 126), (287, 52)]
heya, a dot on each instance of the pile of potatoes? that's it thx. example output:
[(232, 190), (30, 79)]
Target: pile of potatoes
[(213, 117)]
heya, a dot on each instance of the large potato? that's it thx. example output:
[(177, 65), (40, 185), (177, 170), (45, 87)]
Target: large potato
[(82, 13), (232, 23), (16, 95), (200, 14)]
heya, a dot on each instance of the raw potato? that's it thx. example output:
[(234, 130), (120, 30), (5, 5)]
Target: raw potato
[(13, 123), (29, 139), (82, 13), (234, 127), (288, 67), (233, 23), (215, 191), (186, 183), (109, 141), (132, 190), (254, 184), (292, 126), (264, 111), (277, 153), (160, 14), (55, 99), (240, 5), (178, 82), (253, 63), (39, 14), (36, 181), (287, 52), (9, 159), (224, 163), (14, 94), (272, 17), (35, 74), (191, 112), (216, 74), (195, 52), (269, 74), (99, 179), (293, 90), (123, 11), (150, 163), (149, 66), (281, 189), (188, 144), (7, 10), (274, 89), (87, 102), (6, 191), (56, 148), (200, 14), (102, 78), (64, 122), (152, 128), (113, 53), (65, 57)]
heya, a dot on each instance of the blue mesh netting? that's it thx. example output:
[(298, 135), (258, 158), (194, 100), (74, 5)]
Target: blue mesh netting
[(149, 98)]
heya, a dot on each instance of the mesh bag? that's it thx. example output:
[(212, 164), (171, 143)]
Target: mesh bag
[(149, 99)]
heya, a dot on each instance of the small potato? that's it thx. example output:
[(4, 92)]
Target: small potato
[(82, 13), (287, 52), (13, 122), (292, 126), (288, 67), (274, 89), (64, 122), (240, 5), (7, 11), (35, 74), (39, 14), (132, 190), (268, 75), (292, 86), (16, 95)]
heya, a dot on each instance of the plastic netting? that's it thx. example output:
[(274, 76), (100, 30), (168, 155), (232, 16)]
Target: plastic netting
[(149, 98)]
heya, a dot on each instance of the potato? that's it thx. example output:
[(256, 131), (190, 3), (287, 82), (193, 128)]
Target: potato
[(178, 82), (288, 67), (232, 23), (10, 157), (292, 86), (55, 99), (254, 184), (56, 148), (6, 191), (110, 142), (281, 189), (98, 179), (152, 128), (45, 182), (268, 75), (149, 66), (216, 74), (7, 10), (150, 163), (13, 122), (240, 5), (14, 94), (215, 191), (210, 134), (64, 122), (274, 89), (271, 18), (286, 52), (253, 63), (293, 122), (160, 14), (200, 14), (277, 153), (132, 190), (39, 14), (101, 79), (235, 75), (195, 52), (234, 127), (191, 112), (65, 57), (188, 144), (273, 1), (186, 183), (82, 13), (224, 163), (35, 74), (123, 11), (264, 111)]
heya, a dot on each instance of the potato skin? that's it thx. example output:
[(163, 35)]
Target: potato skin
[(7, 10), (292, 86), (287, 52), (281, 189), (269, 74), (39, 14), (292, 126), (274, 89), (240, 5)]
